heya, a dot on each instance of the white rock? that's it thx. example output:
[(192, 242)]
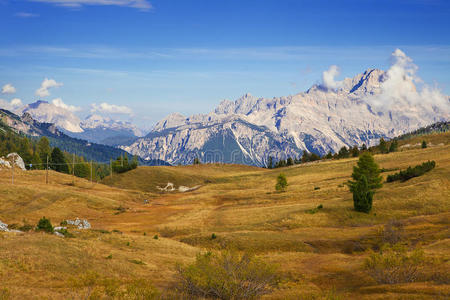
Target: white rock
[(81, 224), (17, 160)]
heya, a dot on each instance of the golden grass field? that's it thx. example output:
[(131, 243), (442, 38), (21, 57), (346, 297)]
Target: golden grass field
[(320, 255)]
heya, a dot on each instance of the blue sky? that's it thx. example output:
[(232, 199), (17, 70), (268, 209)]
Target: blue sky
[(163, 56)]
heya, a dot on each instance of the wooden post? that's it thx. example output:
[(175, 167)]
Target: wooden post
[(73, 168), (46, 174), (12, 169)]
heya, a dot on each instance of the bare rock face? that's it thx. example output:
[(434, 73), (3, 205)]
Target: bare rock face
[(251, 129)]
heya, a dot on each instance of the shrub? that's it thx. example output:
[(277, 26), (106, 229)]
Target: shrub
[(213, 236), (424, 144), (281, 183), (26, 227), (412, 172), (227, 275), (44, 224), (314, 210), (141, 289), (393, 264)]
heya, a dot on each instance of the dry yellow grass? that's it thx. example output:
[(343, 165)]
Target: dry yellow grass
[(320, 255)]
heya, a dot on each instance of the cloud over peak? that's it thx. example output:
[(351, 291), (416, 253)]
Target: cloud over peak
[(328, 78), (8, 89), (43, 91), (59, 103), (107, 108), (12, 105)]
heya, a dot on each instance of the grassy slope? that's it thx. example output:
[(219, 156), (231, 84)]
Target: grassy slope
[(316, 252)]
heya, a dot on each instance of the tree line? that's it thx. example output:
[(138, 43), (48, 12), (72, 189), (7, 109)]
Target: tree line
[(345, 152), (38, 154)]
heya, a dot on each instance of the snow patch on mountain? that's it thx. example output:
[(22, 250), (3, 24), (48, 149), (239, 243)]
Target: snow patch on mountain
[(45, 112)]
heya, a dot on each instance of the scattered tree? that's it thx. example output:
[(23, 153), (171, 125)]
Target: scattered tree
[(281, 183), (394, 146), (270, 162), (383, 146), (424, 144), (58, 162), (366, 178)]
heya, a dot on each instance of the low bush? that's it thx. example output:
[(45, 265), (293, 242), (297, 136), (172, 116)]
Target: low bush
[(314, 210), (393, 264), (392, 232), (45, 225), (26, 227), (227, 275), (412, 172)]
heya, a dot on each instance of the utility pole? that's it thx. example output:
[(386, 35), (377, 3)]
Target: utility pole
[(73, 168), (12, 170), (46, 174)]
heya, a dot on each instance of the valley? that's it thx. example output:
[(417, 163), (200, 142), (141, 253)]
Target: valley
[(320, 254)]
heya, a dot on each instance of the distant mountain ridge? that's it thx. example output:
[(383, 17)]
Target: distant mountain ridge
[(26, 125), (251, 129), (95, 128)]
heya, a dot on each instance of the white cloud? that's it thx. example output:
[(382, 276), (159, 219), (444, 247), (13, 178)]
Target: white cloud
[(12, 105), (399, 87), (143, 5), (25, 15), (59, 103), (8, 89), (328, 78), (111, 109), (43, 91)]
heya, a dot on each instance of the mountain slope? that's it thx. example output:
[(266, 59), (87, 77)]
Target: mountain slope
[(251, 129)]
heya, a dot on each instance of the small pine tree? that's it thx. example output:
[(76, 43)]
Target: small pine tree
[(366, 178), (290, 162), (394, 146), (44, 224), (196, 161), (329, 155), (424, 144), (270, 162), (355, 151), (383, 146), (343, 152), (363, 147), (281, 183)]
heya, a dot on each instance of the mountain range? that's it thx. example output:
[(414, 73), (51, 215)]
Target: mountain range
[(95, 128), (322, 119), (26, 125), (328, 116)]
